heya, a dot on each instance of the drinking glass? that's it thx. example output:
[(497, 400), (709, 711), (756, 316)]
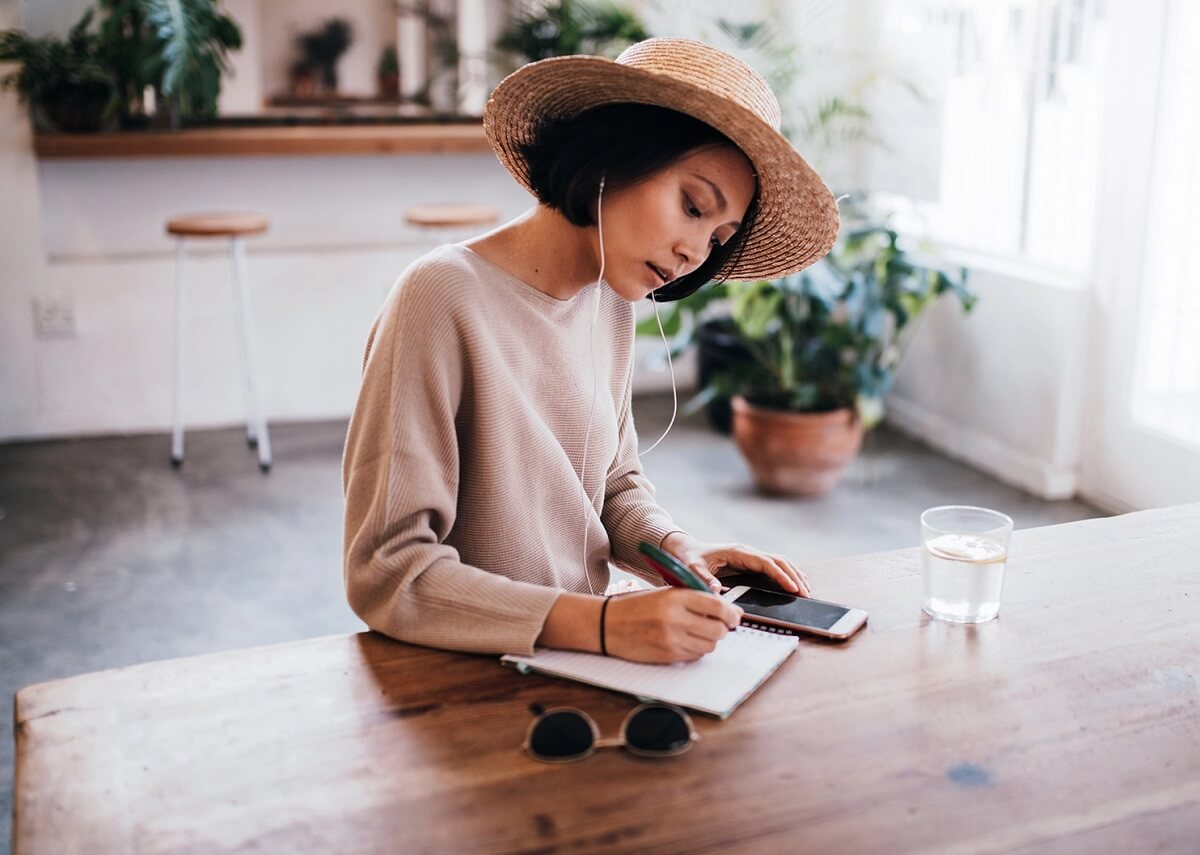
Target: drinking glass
[(963, 556)]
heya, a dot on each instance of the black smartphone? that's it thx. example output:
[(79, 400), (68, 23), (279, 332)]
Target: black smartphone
[(800, 614)]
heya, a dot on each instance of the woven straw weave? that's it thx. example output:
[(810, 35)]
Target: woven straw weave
[(797, 221)]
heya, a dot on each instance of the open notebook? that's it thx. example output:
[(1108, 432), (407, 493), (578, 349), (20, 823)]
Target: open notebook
[(715, 684)]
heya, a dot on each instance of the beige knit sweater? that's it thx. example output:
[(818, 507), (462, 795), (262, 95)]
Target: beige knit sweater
[(465, 512)]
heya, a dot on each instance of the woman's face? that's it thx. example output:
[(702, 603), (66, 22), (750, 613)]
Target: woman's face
[(673, 219)]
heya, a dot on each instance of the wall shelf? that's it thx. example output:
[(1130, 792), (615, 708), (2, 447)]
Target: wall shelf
[(350, 139)]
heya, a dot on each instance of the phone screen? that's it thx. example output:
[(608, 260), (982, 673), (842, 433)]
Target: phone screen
[(796, 610)]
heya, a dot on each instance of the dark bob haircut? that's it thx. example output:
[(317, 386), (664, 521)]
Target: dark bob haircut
[(626, 143)]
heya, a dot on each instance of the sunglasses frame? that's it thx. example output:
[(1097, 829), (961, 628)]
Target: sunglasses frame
[(618, 741)]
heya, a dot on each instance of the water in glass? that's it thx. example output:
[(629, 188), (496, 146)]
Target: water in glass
[(964, 575)]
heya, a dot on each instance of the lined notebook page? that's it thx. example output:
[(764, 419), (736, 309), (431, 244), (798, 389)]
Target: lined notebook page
[(715, 684)]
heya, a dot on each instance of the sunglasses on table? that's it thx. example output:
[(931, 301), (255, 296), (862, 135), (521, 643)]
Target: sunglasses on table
[(563, 734)]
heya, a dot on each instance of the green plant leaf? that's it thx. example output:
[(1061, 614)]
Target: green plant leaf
[(805, 396), (672, 321), (755, 308), (711, 392), (871, 410), (192, 40)]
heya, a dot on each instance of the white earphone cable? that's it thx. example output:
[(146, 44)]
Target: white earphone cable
[(674, 391), (589, 501)]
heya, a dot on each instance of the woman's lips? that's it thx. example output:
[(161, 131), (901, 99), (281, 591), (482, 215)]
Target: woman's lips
[(662, 278)]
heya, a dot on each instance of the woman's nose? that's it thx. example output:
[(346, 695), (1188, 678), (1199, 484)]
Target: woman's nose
[(690, 256)]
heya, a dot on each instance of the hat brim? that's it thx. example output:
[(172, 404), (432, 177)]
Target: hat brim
[(797, 221)]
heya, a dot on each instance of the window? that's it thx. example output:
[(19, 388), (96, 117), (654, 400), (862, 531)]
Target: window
[(1014, 89), (1166, 389)]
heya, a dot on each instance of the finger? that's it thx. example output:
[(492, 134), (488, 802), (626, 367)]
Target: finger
[(707, 630), (790, 563), (714, 607), (761, 563), (692, 652), (697, 646), (785, 567), (807, 582), (793, 572), (700, 568)]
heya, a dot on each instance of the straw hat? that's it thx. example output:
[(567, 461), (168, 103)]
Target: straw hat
[(798, 217)]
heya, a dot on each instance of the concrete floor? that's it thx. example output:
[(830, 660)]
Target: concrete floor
[(109, 557)]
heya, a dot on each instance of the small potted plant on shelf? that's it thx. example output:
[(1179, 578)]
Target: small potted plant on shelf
[(819, 352), (65, 84), (387, 73), (315, 70)]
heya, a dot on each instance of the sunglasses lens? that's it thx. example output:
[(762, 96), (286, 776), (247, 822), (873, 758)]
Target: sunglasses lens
[(658, 729), (560, 735)]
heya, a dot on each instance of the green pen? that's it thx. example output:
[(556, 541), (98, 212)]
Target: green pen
[(672, 565)]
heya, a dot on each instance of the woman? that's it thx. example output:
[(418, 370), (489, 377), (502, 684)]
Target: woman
[(491, 467)]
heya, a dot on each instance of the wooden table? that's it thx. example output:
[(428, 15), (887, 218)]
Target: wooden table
[(1071, 724)]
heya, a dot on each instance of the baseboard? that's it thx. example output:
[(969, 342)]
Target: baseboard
[(1105, 501), (988, 454)]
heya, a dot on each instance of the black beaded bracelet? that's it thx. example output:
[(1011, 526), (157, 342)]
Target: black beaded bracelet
[(603, 610)]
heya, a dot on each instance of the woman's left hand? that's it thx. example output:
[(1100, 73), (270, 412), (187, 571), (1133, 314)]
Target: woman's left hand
[(707, 559)]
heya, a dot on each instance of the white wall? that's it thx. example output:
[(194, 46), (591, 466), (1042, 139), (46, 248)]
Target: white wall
[(1003, 387), (829, 52), (91, 231), (242, 91), (373, 23)]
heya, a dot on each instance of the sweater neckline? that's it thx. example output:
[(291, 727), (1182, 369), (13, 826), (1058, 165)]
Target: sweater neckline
[(525, 287)]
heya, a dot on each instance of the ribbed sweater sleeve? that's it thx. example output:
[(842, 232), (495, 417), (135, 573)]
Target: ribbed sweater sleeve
[(401, 476)]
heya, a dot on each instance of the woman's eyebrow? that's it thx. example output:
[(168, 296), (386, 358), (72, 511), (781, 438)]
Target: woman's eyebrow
[(721, 203)]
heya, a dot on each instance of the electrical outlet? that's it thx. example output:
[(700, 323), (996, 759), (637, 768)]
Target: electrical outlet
[(53, 317)]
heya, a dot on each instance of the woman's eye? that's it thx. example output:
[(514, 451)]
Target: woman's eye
[(692, 210)]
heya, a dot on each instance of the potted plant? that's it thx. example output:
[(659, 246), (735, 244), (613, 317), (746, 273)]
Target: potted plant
[(320, 51), (569, 27), (178, 48), (65, 84), (824, 345), (387, 73), (701, 320), (130, 53)]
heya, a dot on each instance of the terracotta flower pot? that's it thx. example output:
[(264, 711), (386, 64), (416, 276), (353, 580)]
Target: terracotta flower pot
[(796, 453)]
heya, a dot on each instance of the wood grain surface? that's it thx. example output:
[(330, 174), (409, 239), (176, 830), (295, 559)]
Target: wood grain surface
[(1070, 724), (267, 140)]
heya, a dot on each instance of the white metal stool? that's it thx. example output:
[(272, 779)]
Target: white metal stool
[(234, 227)]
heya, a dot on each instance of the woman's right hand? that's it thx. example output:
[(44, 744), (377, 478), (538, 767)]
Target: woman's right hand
[(667, 624)]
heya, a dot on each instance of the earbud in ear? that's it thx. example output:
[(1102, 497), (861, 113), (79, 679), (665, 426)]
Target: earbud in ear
[(600, 227)]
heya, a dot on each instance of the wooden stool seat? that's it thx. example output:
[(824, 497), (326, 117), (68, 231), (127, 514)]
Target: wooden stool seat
[(450, 216), (217, 225)]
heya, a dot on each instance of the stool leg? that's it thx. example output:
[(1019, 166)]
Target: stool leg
[(247, 380), (257, 429), (180, 332)]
